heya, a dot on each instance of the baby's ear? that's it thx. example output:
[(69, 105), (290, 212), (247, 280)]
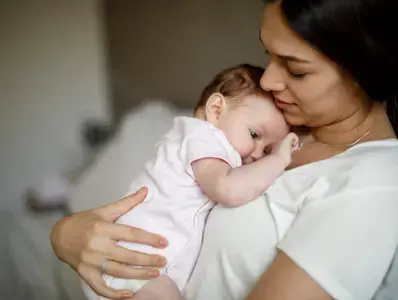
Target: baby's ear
[(216, 106)]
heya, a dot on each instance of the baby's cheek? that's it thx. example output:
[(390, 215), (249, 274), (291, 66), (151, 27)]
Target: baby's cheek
[(246, 148), (240, 140)]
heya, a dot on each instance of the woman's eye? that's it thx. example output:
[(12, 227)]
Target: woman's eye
[(297, 75), (253, 134)]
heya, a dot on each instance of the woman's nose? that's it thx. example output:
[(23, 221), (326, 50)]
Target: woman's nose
[(272, 79)]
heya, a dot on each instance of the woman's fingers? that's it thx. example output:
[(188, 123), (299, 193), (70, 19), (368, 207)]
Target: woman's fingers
[(119, 232), (124, 271), (103, 247), (113, 211), (119, 265), (93, 278), (130, 257)]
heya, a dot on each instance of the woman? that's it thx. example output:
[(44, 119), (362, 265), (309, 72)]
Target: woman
[(328, 227)]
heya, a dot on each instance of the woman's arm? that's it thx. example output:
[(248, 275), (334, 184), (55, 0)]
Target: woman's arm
[(85, 239), (285, 280), (339, 246)]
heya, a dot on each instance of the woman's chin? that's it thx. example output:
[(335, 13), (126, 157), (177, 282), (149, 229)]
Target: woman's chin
[(294, 120)]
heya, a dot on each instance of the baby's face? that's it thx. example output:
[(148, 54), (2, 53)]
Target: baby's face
[(253, 127)]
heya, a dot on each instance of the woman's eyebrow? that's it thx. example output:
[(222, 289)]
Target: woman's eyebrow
[(291, 58)]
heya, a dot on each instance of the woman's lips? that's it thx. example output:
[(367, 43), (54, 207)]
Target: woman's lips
[(281, 103)]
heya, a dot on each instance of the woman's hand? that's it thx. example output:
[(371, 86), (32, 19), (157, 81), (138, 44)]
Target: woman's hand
[(85, 239)]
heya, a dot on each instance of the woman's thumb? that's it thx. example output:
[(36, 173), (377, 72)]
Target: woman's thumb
[(113, 211)]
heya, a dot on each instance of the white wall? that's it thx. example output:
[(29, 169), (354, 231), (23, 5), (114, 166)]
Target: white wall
[(52, 76)]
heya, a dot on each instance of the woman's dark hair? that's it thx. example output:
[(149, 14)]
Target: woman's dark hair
[(359, 35)]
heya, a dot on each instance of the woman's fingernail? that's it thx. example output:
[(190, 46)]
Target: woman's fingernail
[(154, 273), (127, 295), (163, 242), (162, 261)]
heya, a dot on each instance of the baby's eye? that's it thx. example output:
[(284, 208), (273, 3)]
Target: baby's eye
[(253, 134)]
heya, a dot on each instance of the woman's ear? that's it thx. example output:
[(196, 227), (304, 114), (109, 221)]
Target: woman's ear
[(216, 106)]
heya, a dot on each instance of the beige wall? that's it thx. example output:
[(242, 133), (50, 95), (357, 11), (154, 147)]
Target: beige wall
[(52, 77), (170, 49)]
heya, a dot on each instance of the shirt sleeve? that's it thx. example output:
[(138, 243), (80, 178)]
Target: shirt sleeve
[(346, 241), (208, 142)]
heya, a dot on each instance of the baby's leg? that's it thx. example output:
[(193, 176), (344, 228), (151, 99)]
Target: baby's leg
[(161, 288)]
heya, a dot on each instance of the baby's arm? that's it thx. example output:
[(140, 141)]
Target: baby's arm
[(237, 186)]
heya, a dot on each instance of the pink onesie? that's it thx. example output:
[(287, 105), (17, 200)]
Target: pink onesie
[(175, 206)]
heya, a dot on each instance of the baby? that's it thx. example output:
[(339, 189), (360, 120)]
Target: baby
[(231, 152)]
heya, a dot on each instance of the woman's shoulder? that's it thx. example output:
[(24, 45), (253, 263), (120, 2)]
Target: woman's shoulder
[(348, 214), (372, 163), (378, 148), (369, 166), (374, 160)]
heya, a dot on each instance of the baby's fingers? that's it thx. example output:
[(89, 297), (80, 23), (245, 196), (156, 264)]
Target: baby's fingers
[(294, 141)]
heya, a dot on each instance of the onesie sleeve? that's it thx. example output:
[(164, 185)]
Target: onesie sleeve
[(208, 142), (346, 240)]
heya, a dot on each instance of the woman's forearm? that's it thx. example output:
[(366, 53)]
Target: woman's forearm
[(285, 280)]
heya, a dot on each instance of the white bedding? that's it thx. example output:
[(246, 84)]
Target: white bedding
[(38, 274)]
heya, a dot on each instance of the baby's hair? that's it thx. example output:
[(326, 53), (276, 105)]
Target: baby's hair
[(234, 83)]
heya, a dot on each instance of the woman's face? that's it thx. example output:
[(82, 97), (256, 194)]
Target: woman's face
[(310, 89)]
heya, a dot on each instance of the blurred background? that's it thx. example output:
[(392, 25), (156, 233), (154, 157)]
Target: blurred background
[(83, 85)]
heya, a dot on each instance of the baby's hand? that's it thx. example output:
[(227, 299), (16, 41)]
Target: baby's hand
[(287, 147)]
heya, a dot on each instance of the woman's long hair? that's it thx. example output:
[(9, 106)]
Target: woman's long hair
[(359, 35)]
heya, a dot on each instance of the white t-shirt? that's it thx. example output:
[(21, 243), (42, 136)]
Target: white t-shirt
[(175, 206), (336, 218)]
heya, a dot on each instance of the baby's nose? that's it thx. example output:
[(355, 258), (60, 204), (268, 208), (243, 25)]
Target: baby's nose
[(256, 155), (247, 160)]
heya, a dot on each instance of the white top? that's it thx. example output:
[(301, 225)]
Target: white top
[(175, 206), (336, 218)]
